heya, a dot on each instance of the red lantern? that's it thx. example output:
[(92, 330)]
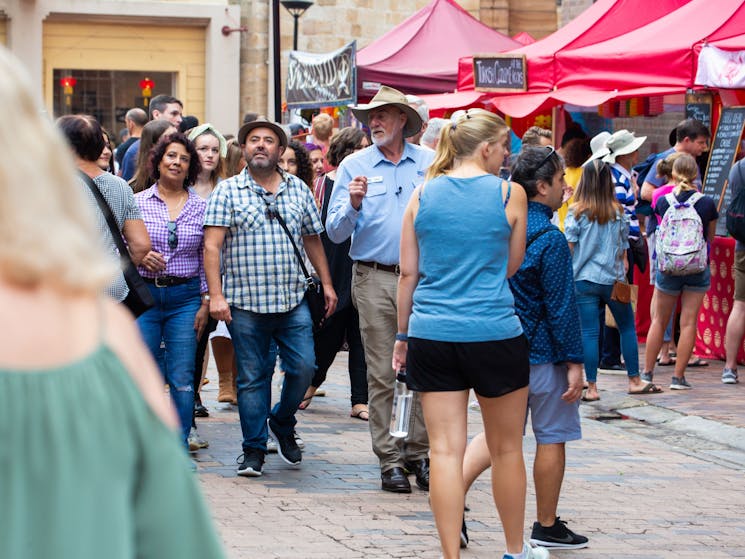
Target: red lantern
[(68, 83), (147, 85)]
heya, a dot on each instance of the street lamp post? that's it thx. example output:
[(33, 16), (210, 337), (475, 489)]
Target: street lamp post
[(296, 9)]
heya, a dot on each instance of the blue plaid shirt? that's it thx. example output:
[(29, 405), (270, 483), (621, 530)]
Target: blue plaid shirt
[(543, 288), (261, 271)]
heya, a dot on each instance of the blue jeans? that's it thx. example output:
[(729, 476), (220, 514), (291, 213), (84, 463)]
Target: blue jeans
[(589, 297), (252, 335), (171, 321)]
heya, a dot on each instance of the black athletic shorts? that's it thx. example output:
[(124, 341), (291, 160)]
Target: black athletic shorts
[(492, 368)]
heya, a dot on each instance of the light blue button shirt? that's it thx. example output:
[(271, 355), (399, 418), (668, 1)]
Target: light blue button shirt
[(376, 227)]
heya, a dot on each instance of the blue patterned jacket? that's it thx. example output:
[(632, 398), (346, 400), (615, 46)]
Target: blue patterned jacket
[(543, 288)]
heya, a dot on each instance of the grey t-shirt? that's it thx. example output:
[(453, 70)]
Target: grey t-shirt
[(121, 200)]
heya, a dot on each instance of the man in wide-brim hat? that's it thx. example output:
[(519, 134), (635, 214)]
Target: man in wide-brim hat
[(371, 191)]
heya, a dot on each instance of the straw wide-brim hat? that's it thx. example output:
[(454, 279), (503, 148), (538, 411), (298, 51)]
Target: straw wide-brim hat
[(273, 126), (389, 96), (622, 142)]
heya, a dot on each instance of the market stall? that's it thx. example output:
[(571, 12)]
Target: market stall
[(421, 54)]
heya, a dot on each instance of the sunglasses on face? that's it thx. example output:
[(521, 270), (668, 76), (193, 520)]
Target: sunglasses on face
[(172, 237)]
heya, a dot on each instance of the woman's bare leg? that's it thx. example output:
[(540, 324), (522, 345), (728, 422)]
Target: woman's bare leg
[(445, 415)]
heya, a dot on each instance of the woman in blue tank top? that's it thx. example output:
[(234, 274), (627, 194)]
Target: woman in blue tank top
[(463, 235)]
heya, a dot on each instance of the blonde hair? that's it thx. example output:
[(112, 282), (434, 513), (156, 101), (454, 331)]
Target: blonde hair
[(322, 126), (665, 166), (46, 222), (685, 171), (460, 138)]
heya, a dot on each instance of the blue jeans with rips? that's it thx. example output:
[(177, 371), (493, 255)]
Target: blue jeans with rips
[(590, 295), (171, 321), (253, 334)]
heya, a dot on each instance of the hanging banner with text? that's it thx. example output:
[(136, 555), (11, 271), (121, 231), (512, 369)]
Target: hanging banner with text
[(322, 80), (499, 72)]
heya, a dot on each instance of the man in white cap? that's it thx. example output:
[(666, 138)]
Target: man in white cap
[(262, 299), (370, 195), (622, 154)]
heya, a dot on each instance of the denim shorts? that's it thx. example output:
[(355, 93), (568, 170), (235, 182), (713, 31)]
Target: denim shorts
[(673, 285), (553, 420)]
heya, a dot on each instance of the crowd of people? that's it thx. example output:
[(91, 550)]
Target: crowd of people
[(219, 229)]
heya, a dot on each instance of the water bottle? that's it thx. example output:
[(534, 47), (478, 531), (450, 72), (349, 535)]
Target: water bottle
[(403, 398)]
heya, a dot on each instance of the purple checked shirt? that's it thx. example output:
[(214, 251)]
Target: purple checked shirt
[(187, 259)]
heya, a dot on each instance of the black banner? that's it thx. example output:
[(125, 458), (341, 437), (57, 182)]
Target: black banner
[(499, 72), (322, 80), (721, 157)]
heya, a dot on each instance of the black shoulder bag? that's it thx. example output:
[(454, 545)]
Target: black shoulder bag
[(139, 299), (313, 288)]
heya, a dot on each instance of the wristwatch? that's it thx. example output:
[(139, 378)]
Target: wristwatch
[(206, 298), (402, 337)]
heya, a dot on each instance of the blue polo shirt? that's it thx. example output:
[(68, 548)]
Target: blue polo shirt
[(543, 289), (376, 227)]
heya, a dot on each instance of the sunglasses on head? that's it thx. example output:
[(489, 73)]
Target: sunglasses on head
[(551, 151)]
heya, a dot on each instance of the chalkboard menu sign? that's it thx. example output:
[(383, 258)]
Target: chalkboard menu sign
[(499, 72), (721, 158), (699, 111)]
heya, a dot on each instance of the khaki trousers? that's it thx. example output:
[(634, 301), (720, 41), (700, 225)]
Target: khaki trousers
[(374, 295)]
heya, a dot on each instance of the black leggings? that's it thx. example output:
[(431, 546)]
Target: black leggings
[(342, 325)]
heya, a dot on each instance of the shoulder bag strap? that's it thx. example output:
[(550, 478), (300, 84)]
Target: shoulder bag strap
[(308, 277), (108, 215)]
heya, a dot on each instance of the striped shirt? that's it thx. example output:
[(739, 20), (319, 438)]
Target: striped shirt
[(120, 199), (185, 260), (261, 271), (627, 198)]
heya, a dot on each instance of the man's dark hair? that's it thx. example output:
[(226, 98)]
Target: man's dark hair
[(84, 134), (157, 153), (138, 116), (188, 122), (160, 102), (534, 164), (692, 129)]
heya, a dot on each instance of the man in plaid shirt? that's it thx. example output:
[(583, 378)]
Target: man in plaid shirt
[(262, 298)]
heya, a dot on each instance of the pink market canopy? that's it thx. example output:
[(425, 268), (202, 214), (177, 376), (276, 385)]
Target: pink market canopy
[(421, 54)]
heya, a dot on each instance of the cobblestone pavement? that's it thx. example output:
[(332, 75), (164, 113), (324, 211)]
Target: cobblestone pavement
[(639, 488)]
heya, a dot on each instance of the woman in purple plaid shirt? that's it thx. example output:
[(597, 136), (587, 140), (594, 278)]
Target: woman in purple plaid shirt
[(174, 270)]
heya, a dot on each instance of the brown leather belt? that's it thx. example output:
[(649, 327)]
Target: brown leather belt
[(167, 281), (394, 268)]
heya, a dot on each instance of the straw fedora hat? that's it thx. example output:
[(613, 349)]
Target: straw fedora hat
[(621, 143), (273, 126), (389, 96)]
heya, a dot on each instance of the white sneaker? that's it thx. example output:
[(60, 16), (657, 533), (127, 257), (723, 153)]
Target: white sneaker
[(195, 441), (271, 445), (729, 376), (531, 552)]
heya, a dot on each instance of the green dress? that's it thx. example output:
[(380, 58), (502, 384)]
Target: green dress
[(87, 470)]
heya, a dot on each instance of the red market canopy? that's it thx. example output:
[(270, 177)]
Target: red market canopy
[(524, 38), (661, 54), (603, 20), (421, 54)]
